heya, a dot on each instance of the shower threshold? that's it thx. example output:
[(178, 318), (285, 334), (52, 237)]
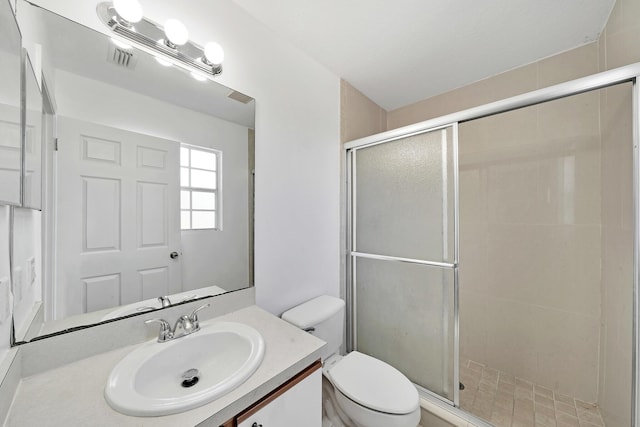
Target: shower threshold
[(508, 401)]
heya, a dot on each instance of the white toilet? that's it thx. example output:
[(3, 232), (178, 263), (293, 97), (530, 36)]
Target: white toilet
[(358, 390)]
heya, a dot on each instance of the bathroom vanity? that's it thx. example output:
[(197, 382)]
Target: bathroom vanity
[(289, 377)]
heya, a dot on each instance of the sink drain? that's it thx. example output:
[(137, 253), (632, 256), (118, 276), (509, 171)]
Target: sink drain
[(190, 378)]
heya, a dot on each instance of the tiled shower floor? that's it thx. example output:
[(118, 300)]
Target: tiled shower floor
[(508, 401)]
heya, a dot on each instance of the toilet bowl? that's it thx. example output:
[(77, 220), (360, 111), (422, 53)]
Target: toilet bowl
[(372, 393), (358, 390)]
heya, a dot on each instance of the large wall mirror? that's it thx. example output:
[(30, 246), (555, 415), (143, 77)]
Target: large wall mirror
[(10, 99), (152, 175)]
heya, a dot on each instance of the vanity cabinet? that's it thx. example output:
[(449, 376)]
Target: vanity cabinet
[(296, 403)]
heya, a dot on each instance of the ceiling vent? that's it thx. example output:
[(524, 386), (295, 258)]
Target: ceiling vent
[(122, 57), (240, 97)]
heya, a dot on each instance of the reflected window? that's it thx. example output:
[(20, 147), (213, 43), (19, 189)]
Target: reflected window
[(199, 187)]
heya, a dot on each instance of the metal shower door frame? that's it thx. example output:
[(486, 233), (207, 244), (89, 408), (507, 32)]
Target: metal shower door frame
[(353, 253), (629, 73)]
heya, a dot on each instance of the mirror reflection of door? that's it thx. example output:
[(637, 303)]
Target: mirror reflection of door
[(118, 220)]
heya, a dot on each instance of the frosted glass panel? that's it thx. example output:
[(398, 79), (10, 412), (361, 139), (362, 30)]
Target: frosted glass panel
[(203, 160), (404, 197), (185, 200), (185, 220), (203, 220), (203, 179), (184, 177), (184, 156), (202, 200), (405, 317)]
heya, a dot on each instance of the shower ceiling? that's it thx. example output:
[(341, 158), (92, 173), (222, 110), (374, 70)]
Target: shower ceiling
[(398, 52)]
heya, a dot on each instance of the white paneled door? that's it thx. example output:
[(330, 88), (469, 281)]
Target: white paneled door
[(118, 217)]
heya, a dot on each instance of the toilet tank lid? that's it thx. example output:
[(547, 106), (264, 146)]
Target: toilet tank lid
[(313, 312)]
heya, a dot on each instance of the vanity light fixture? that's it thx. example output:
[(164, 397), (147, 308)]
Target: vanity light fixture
[(125, 18), (176, 33), (129, 10)]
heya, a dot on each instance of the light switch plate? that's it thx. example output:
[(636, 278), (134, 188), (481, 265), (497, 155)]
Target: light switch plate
[(18, 283), (5, 298), (31, 271), (27, 273)]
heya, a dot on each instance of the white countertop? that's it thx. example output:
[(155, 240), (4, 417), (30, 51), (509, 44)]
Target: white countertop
[(72, 395)]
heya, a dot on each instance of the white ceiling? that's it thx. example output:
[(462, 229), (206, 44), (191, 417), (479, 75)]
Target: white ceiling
[(398, 52)]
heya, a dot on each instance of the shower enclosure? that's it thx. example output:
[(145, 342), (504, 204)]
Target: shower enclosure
[(493, 254)]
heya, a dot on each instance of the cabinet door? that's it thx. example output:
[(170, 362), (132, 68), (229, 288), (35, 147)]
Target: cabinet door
[(300, 405)]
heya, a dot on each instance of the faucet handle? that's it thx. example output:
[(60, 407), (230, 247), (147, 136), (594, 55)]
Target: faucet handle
[(165, 333), (164, 301), (194, 315)]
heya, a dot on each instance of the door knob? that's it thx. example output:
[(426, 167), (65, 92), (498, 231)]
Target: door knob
[(256, 425), (174, 255)]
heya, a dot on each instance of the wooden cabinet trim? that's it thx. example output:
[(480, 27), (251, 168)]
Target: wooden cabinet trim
[(274, 395)]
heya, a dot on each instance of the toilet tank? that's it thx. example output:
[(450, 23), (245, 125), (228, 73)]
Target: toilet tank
[(325, 314)]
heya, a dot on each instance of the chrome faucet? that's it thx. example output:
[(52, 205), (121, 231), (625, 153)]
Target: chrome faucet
[(185, 325), (164, 301)]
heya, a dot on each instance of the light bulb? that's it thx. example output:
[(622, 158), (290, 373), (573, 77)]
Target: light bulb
[(176, 32), (163, 62), (121, 44), (198, 77), (213, 53), (129, 10)]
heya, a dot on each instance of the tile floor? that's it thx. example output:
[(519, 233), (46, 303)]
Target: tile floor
[(508, 401)]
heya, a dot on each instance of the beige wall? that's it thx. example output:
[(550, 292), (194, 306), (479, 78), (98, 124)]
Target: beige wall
[(567, 289), (359, 116)]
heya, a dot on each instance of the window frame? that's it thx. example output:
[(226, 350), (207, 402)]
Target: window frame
[(217, 191)]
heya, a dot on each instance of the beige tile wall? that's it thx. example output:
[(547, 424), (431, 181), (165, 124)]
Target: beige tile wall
[(530, 241)]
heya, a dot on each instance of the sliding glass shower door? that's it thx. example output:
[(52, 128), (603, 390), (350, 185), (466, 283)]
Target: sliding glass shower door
[(403, 256)]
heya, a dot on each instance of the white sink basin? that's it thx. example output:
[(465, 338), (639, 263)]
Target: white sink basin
[(149, 380)]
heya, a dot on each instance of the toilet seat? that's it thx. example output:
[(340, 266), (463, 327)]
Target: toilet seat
[(374, 384)]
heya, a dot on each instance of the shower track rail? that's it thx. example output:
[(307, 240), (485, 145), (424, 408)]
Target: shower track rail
[(629, 73)]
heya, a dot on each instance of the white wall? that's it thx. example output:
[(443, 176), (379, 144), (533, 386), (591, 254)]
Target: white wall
[(297, 143), (208, 257)]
